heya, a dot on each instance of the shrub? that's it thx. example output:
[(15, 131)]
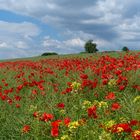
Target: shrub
[(49, 53), (125, 49)]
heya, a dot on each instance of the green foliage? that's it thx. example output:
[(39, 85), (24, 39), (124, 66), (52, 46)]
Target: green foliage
[(90, 47), (125, 49), (49, 53)]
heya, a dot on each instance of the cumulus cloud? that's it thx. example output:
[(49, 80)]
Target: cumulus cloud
[(3, 45), (16, 39), (67, 46), (112, 24), (24, 29)]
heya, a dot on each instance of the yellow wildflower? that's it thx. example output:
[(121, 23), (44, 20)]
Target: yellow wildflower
[(109, 124), (105, 136), (75, 86), (102, 104), (32, 108), (62, 111), (120, 129), (112, 83), (65, 137), (136, 133), (137, 98), (95, 102), (73, 125), (86, 104)]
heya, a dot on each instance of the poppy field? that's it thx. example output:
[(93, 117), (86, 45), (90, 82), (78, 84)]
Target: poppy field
[(71, 98)]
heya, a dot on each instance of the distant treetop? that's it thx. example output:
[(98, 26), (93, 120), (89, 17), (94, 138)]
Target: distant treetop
[(90, 47)]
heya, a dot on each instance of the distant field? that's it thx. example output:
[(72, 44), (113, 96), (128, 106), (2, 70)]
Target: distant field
[(71, 97)]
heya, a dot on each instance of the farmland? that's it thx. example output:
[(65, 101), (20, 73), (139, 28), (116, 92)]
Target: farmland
[(83, 97)]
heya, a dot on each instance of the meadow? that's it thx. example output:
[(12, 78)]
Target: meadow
[(71, 97)]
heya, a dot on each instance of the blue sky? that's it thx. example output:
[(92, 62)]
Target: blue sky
[(31, 27)]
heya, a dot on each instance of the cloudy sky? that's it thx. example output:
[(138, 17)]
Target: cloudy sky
[(31, 27)]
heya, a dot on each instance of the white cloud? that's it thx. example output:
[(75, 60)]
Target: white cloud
[(129, 32), (66, 46), (3, 45), (21, 45), (74, 42), (26, 29), (16, 39), (111, 24)]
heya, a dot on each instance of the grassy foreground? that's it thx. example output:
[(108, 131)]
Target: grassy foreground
[(71, 98)]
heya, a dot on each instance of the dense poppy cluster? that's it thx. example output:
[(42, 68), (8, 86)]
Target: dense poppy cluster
[(71, 98)]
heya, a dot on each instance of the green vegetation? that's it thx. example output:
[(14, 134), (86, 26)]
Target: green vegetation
[(71, 97), (90, 47), (49, 53), (125, 49)]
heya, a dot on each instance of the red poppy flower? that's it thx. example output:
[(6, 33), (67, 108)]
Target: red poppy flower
[(34, 92), (136, 134), (133, 122), (19, 87), (118, 72), (3, 97), (5, 84), (54, 131), (115, 106), (104, 81), (110, 96), (83, 76), (26, 129), (61, 105), (35, 114), (55, 128), (67, 121), (10, 101), (122, 87), (46, 117), (17, 105), (136, 87), (92, 112), (122, 127), (17, 98), (94, 84), (56, 123)]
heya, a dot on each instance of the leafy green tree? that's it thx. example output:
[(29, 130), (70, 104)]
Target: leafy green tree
[(90, 47), (125, 49)]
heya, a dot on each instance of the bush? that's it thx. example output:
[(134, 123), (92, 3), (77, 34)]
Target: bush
[(49, 53), (125, 49)]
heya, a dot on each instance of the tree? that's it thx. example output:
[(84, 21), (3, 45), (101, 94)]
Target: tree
[(125, 49), (90, 47)]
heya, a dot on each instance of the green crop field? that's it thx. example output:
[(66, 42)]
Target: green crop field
[(71, 97)]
